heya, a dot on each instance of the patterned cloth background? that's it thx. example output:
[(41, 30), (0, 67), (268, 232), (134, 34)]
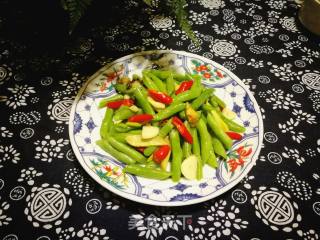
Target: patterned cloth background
[(46, 195)]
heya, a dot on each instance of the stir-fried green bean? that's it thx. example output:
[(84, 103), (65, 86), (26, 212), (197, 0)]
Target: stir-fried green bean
[(103, 102), (158, 82), (202, 98), (133, 130), (124, 148), (105, 145), (221, 135), (122, 113), (142, 101), (191, 94), (196, 151), (169, 111), (106, 123), (205, 141), (147, 81), (147, 172), (170, 84), (218, 147), (176, 155)]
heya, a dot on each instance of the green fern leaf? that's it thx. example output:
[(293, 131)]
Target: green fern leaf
[(148, 2), (178, 10), (75, 9)]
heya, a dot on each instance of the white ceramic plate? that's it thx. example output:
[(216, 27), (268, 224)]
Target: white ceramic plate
[(86, 118)]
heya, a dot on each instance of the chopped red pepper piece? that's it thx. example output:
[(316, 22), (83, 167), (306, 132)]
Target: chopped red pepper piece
[(234, 135), (161, 153), (140, 149), (182, 129), (141, 118), (160, 96), (184, 86), (119, 103)]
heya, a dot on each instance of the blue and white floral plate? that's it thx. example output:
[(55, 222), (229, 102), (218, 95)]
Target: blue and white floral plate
[(86, 118)]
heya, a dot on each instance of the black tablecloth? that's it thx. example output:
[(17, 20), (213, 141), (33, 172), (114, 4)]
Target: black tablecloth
[(44, 192)]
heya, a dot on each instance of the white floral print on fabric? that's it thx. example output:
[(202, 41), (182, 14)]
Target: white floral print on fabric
[(152, 226), (226, 28), (284, 72), (81, 186), (223, 222), (293, 154), (212, 4), (49, 149), (87, 232), (289, 24), (279, 99), (292, 123), (28, 175), (199, 18), (299, 188), (4, 219), (277, 4), (8, 153), (308, 235), (19, 94), (71, 86), (5, 132)]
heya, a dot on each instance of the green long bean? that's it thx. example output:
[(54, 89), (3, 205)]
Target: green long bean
[(158, 82), (149, 150), (147, 81), (126, 149), (216, 99), (123, 128), (142, 101), (164, 131), (106, 123), (232, 125), (167, 127), (147, 172), (205, 141), (202, 98), (169, 111), (176, 155), (105, 145), (170, 84), (193, 93), (103, 102), (124, 112), (196, 151), (220, 134), (186, 147), (121, 137), (218, 147)]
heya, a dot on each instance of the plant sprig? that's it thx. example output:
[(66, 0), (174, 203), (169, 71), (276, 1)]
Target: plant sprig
[(77, 8)]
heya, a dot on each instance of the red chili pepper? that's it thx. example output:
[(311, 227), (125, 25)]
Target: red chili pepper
[(140, 149), (184, 86), (141, 118), (160, 96), (161, 153), (182, 129), (119, 103), (234, 135)]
